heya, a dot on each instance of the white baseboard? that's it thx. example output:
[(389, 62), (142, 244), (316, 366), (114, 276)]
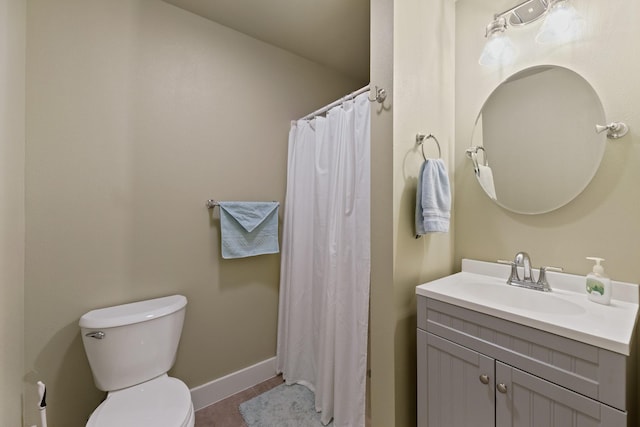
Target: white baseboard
[(216, 390)]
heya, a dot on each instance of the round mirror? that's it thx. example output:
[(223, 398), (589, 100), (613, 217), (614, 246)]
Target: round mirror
[(538, 144)]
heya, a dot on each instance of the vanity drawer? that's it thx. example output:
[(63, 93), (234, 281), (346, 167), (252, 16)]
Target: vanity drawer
[(583, 368)]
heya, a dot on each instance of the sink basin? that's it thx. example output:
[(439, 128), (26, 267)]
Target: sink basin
[(521, 298), (565, 311)]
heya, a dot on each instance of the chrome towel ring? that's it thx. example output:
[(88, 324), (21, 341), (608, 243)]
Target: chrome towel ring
[(420, 138)]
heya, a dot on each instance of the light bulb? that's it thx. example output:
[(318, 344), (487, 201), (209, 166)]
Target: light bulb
[(499, 50), (561, 25)]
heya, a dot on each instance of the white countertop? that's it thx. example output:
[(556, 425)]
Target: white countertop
[(566, 311)]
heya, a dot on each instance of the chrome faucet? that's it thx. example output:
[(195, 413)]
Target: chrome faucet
[(523, 260)]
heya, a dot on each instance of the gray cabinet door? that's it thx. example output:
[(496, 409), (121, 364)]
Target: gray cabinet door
[(523, 400), (453, 393)]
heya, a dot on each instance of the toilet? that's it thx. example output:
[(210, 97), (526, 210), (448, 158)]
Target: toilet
[(130, 348)]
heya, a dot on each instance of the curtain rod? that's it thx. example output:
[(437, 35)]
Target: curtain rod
[(338, 102)]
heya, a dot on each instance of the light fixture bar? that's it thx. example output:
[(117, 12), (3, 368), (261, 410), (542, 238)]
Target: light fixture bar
[(543, 3)]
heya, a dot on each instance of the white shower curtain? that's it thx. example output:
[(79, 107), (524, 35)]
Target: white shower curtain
[(324, 283)]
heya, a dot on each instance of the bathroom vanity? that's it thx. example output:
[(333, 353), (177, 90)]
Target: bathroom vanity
[(491, 354)]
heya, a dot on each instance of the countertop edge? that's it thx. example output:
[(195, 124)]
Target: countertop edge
[(597, 341)]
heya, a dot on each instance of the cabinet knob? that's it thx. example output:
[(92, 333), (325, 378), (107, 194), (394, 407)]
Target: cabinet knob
[(502, 388), (484, 379)]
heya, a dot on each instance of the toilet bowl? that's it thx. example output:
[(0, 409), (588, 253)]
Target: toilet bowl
[(130, 349), (161, 402)]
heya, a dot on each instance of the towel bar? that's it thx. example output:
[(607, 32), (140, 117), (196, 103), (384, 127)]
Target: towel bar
[(213, 203)]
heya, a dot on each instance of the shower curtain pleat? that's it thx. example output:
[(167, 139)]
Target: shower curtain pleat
[(324, 283)]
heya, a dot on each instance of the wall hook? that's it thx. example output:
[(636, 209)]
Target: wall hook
[(614, 130)]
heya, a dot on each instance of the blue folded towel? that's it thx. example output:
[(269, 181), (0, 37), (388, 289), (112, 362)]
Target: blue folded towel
[(248, 228), (433, 198)]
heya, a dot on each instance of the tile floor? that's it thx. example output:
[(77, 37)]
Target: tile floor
[(225, 413)]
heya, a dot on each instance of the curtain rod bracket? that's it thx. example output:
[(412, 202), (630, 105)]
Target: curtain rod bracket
[(381, 95)]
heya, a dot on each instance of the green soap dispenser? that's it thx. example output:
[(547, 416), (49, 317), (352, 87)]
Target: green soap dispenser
[(598, 284)]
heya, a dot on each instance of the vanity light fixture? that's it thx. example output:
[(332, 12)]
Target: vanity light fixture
[(562, 24)]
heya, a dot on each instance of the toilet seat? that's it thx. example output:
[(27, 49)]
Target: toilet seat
[(161, 402)]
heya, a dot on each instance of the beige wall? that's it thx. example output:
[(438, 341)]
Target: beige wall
[(137, 113), (418, 38), (382, 311), (603, 220), (12, 217)]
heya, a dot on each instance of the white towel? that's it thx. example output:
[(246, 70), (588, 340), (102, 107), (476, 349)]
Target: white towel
[(433, 198), (485, 178), (248, 228)]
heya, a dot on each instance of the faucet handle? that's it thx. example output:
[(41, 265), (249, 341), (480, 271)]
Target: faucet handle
[(513, 276), (542, 278)]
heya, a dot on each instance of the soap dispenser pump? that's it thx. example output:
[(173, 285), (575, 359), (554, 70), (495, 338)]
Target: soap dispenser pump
[(598, 284)]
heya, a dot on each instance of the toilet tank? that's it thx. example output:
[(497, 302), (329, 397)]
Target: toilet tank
[(132, 343)]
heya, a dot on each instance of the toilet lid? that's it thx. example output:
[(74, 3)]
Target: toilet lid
[(161, 402)]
